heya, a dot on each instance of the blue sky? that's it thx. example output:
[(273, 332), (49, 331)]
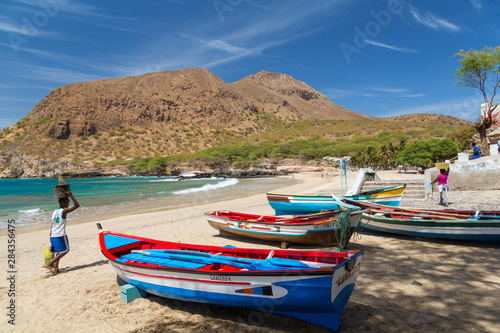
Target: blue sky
[(377, 57)]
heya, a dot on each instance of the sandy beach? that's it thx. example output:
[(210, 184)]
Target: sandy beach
[(405, 285)]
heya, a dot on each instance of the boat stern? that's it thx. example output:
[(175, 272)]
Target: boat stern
[(344, 280)]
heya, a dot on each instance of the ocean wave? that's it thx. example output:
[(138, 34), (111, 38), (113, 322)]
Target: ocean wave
[(31, 211), (164, 180), (187, 175), (209, 187)]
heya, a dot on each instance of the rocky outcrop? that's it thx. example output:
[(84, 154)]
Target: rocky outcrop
[(61, 130), (23, 166), (492, 134)]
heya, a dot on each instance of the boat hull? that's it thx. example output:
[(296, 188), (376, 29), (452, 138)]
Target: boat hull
[(316, 295), (307, 204), (471, 230), (324, 233)]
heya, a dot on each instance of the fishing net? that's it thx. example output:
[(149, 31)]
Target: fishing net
[(343, 225)]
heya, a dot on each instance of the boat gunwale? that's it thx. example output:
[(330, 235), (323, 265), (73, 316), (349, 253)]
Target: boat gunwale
[(374, 191), (350, 256), (426, 222), (283, 223)]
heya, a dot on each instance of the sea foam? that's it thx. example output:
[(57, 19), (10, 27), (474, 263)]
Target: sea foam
[(209, 187)]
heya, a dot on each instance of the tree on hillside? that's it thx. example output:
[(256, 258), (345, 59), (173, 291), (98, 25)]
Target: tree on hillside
[(385, 154), (416, 154), (462, 137), (424, 153), (358, 160), (443, 149), (480, 70)]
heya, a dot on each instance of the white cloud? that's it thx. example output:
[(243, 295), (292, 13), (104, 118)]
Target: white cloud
[(397, 92), (467, 108), (431, 21), (391, 90), (249, 36), (477, 4), (335, 93), (12, 99), (7, 122), (73, 7), (217, 44), (390, 47), (62, 75), (413, 95), (25, 31)]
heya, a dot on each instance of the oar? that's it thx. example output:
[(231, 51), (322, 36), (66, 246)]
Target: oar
[(373, 206), (343, 205), (441, 217), (253, 264), (433, 212), (270, 260)]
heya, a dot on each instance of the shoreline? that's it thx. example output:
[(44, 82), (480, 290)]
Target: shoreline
[(164, 204), (405, 284)]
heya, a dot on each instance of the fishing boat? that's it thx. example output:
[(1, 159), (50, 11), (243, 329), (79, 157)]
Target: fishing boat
[(428, 223), (449, 212), (284, 204), (326, 228), (313, 286)]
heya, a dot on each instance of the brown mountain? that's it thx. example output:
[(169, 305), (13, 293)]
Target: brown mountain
[(160, 113), (192, 96)]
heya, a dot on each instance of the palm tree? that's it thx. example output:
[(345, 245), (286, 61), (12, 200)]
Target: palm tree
[(384, 154)]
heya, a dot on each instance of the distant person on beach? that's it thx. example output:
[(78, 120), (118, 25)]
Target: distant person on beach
[(58, 238), (442, 188), (475, 151)]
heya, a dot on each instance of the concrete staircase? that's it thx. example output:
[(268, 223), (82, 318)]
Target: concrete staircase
[(414, 189)]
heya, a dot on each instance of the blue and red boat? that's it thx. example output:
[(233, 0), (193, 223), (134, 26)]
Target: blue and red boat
[(314, 286)]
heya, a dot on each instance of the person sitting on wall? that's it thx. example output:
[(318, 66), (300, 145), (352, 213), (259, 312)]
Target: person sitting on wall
[(475, 151)]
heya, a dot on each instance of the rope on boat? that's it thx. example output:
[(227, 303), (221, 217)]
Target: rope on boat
[(343, 224), (356, 235)]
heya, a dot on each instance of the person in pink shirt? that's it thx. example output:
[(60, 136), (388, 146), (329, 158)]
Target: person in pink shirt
[(442, 180)]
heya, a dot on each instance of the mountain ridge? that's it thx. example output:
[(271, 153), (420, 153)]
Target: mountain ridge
[(156, 114)]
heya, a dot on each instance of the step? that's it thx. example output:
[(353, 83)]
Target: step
[(371, 187), (393, 183), (413, 196)]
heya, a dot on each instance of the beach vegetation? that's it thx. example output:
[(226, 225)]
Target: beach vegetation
[(425, 153)]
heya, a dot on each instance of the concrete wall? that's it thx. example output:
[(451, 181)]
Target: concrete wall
[(479, 174)]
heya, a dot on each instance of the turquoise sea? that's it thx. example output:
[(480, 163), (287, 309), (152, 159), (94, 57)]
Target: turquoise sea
[(31, 201)]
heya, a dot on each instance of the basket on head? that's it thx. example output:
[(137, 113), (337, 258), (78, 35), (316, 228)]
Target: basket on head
[(442, 165), (60, 191)]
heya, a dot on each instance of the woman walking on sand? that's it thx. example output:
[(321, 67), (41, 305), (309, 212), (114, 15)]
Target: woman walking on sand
[(442, 188)]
